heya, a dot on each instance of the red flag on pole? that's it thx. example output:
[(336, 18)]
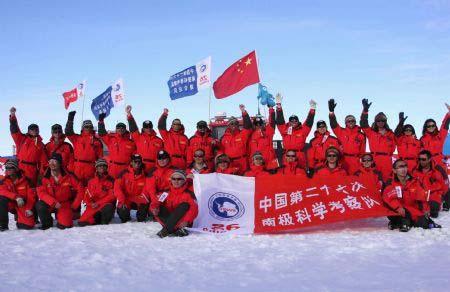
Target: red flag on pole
[(70, 96), (241, 74)]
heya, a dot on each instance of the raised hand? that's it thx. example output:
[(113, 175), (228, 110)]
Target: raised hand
[(71, 116), (12, 111), (331, 105), (448, 106), (278, 98), (166, 111), (242, 107), (401, 117), (101, 117), (128, 109), (366, 104), (313, 104)]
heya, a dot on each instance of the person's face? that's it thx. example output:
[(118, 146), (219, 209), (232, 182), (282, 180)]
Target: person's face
[(381, 123), (88, 129), (350, 123), (199, 156), (291, 156), (57, 133), (424, 161), (10, 171), (259, 125), (147, 130), (120, 130), (176, 125), (431, 127), (258, 161), (201, 129), (136, 164), (177, 181), (293, 122), (401, 169), (163, 162), (322, 129), (366, 161), (102, 170), (53, 164), (222, 164), (408, 132), (233, 125), (332, 157), (34, 132)]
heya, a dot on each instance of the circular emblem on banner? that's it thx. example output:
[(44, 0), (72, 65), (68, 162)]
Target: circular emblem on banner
[(202, 68), (225, 207)]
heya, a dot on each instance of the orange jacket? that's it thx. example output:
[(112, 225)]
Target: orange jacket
[(176, 143), (129, 188), (294, 138)]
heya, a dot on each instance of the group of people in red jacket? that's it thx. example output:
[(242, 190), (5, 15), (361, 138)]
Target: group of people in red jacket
[(153, 175)]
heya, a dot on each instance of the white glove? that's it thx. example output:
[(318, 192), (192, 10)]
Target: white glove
[(128, 109), (313, 104), (12, 111), (278, 98), (20, 202), (28, 213)]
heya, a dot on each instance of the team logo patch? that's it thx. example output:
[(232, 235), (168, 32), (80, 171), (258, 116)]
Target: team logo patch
[(225, 207)]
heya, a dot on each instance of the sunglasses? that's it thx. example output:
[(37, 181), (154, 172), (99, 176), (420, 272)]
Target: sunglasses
[(320, 127), (199, 156), (423, 159), (293, 121), (257, 158), (176, 124), (402, 166), (57, 132), (381, 121), (234, 124), (177, 179), (407, 130), (222, 161), (367, 160), (331, 155), (431, 126), (351, 121), (291, 156)]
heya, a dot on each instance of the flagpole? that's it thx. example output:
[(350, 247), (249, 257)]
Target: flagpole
[(209, 105), (82, 110)]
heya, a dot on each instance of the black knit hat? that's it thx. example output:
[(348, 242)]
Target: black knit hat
[(321, 123), (162, 154), (56, 156), (33, 127), (121, 125), (56, 128), (147, 124)]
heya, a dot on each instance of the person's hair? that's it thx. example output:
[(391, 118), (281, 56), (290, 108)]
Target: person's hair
[(425, 152), (374, 124), (424, 130), (408, 176)]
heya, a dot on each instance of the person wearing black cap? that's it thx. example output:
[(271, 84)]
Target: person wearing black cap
[(120, 146), (203, 140), (129, 191), (234, 142), (99, 197), (261, 140), (351, 137), (57, 194), (319, 144), (408, 146), (175, 209), (331, 168), (87, 148), (294, 134), (29, 148), (147, 143), (381, 140), (367, 172), (158, 178), (16, 196), (58, 144), (175, 141)]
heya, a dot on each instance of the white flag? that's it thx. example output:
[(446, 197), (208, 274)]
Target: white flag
[(203, 69), (117, 93), (225, 203), (81, 89)]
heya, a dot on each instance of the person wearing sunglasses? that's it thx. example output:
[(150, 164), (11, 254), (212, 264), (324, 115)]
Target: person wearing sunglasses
[(257, 167), (29, 147), (405, 196), (290, 165), (408, 146), (17, 197), (175, 209), (202, 139), (294, 133), (58, 144), (223, 165), (59, 193), (433, 138), (234, 142), (198, 166), (120, 146), (87, 148), (129, 191), (148, 144), (331, 167), (351, 138), (261, 140), (367, 171), (435, 181), (175, 141), (319, 144), (381, 140)]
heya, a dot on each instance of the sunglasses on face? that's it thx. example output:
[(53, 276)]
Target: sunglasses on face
[(176, 124), (351, 121), (423, 159), (331, 155), (367, 160), (234, 124), (199, 156), (431, 126), (401, 166), (381, 121), (57, 132), (177, 179), (293, 121), (222, 161), (291, 156), (407, 130)]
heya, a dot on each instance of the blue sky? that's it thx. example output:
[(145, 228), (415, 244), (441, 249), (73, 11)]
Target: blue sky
[(396, 53)]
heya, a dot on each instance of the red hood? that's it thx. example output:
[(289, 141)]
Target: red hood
[(318, 135), (63, 138), (151, 134)]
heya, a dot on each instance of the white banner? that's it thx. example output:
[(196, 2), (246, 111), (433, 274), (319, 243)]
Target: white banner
[(203, 69), (81, 89), (225, 202), (117, 93)]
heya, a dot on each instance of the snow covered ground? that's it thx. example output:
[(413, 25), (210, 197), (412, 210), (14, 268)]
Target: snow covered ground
[(358, 255)]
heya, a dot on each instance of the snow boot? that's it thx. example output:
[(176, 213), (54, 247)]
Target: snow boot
[(180, 233), (163, 233)]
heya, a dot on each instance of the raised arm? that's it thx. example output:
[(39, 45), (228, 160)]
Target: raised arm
[(401, 122), (364, 122), (131, 121)]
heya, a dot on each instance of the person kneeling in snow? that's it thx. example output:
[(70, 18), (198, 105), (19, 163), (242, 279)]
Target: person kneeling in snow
[(17, 197), (99, 197), (406, 196), (175, 209), (57, 193)]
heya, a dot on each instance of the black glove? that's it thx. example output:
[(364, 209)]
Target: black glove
[(71, 116), (402, 118), (331, 105), (101, 117), (366, 104)]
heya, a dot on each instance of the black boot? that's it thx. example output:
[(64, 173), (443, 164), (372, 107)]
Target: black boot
[(163, 233), (107, 213), (142, 212), (4, 216), (124, 214), (45, 217), (181, 233)]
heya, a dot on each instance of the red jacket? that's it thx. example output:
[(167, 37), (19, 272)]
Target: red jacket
[(411, 196), (327, 173), (63, 148), (120, 147), (379, 144), (291, 168), (294, 138), (63, 191), (129, 188), (19, 189), (147, 145), (100, 190), (262, 140), (371, 176), (205, 142), (176, 197), (234, 144), (86, 147), (176, 143), (158, 179), (229, 170), (256, 171), (408, 148), (319, 145), (353, 141), (434, 142), (29, 150), (435, 182)]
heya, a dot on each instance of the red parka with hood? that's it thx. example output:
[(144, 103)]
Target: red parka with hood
[(176, 143)]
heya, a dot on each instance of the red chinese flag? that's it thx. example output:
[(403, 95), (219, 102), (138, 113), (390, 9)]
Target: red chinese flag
[(70, 96), (241, 74)]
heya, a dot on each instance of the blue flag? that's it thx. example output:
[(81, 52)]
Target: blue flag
[(265, 98), (102, 103)]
